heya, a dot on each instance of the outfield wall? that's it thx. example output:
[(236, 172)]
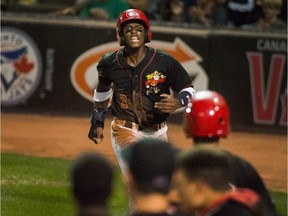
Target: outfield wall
[(48, 65)]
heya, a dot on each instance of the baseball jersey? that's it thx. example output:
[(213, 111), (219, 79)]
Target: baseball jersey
[(245, 175), (241, 202), (136, 89)]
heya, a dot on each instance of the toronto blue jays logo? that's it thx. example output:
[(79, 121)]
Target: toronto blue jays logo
[(153, 80), (20, 67)]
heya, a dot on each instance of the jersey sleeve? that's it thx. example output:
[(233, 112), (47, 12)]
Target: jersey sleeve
[(103, 69), (178, 76), (245, 174)]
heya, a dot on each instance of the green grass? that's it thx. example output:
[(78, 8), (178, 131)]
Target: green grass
[(280, 200), (40, 186)]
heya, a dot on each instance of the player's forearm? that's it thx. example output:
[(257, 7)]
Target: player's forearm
[(101, 105)]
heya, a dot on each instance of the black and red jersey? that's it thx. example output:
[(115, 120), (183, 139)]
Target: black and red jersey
[(136, 89), (240, 202)]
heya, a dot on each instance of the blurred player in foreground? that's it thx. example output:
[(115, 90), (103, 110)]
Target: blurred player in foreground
[(142, 78), (150, 165), (206, 120), (91, 177), (202, 181)]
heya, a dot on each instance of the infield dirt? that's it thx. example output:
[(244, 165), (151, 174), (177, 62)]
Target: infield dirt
[(66, 137)]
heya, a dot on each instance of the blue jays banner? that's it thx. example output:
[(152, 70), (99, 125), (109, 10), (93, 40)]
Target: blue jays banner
[(21, 66)]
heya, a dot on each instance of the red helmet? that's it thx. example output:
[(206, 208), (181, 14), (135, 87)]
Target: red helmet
[(207, 115), (132, 15)]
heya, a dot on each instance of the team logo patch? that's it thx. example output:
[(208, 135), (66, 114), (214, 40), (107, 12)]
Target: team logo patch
[(153, 80), (131, 14), (21, 67), (123, 101)]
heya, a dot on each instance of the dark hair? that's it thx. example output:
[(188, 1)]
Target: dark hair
[(211, 166), (91, 179), (151, 163)]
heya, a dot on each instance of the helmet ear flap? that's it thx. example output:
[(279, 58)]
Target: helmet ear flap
[(146, 36), (122, 41), (120, 37)]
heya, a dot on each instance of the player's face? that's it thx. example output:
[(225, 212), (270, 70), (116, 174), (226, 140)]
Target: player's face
[(134, 34), (188, 193)]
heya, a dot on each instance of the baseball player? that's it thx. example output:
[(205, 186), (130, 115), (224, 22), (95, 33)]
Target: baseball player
[(141, 77), (202, 179), (91, 177), (206, 120)]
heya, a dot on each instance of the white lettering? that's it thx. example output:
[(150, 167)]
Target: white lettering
[(272, 45), (20, 90), (12, 39), (49, 69)]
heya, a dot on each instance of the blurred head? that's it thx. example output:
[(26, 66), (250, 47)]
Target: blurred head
[(91, 179), (151, 165), (277, 4), (177, 6), (271, 8), (207, 116), (132, 16), (200, 174)]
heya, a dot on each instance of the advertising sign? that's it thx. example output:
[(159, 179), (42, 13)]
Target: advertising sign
[(21, 66)]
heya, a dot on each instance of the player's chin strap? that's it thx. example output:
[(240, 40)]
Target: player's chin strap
[(185, 95)]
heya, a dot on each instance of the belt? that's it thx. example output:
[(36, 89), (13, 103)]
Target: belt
[(134, 125)]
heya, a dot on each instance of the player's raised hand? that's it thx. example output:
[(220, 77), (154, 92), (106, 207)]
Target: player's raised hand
[(167, 104)]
